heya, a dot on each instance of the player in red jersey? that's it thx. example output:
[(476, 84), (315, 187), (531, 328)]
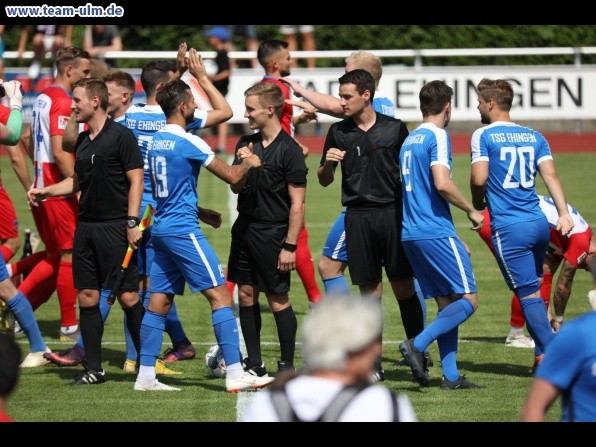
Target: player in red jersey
[(569, 252), (56, 217), (275, 58)]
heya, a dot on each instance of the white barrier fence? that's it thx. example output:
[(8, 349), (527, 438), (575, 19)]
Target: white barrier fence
[(417, 55), (543, 92)]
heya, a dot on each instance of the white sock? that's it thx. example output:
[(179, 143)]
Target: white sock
[(516, 330), (146, 374), (69, 329), (9, 270), (234, 370)]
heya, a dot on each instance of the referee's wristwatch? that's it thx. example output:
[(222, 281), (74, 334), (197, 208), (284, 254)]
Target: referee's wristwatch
[(289, 247), (132, 221)]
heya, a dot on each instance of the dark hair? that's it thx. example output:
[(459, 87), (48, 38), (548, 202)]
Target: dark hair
[(500, 90), (268, 48), (120, 78), (10, 355), (155, 72), (171, 95), (95, 87), (69, 55), (434, 96), (362, 79)]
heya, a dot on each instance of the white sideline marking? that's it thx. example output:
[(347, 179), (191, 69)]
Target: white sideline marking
[(24, 341), (243, 399)]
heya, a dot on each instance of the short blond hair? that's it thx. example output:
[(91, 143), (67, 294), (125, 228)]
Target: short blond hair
[(369, 62)]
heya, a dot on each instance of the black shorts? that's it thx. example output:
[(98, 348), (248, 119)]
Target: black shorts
[(254, 253), (99, 249), (373, 240)]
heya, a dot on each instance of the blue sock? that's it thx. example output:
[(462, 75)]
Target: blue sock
[(104, 310), (447, 343), (336, 285), (174, 326), (152, 329), (23, 313), (450, 317), (421, 299), (537, 321), (227, 334)]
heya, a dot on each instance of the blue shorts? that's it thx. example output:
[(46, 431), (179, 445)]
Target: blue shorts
[(184, 258), (520, 249), (335, 245), (441, 266)]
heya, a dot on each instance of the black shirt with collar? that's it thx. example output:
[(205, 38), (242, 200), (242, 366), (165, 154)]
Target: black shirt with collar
[(101, 165), (265, 196), (370, 168)]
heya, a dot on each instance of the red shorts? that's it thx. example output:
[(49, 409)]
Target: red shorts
[(56, 221), (9, 224)]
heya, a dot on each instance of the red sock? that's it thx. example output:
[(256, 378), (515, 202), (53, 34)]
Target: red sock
[(517, 316), (67, 295), (41, 293), (7, 253), (229, 284), (306, 267), (41, 281), (25, 265), (546, 287)]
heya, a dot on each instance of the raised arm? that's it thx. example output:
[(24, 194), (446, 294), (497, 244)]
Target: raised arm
[(221, 109), (322, 102)]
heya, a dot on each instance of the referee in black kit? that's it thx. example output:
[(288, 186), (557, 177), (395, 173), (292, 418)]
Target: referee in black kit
[(367, 146), (109, 175)]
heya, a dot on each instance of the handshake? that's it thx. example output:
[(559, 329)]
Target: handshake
[(14, 91)]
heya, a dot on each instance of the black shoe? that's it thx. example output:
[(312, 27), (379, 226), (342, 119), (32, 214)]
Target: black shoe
[(89, 377), (255, 370), (378, 375), (284, 366), (428, 361), (460, 384), (415, 359)]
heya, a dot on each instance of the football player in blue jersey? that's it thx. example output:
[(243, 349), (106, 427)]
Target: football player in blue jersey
[(182, 254), (505, 160), (566, 370), (446, 275), (145, 120)]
